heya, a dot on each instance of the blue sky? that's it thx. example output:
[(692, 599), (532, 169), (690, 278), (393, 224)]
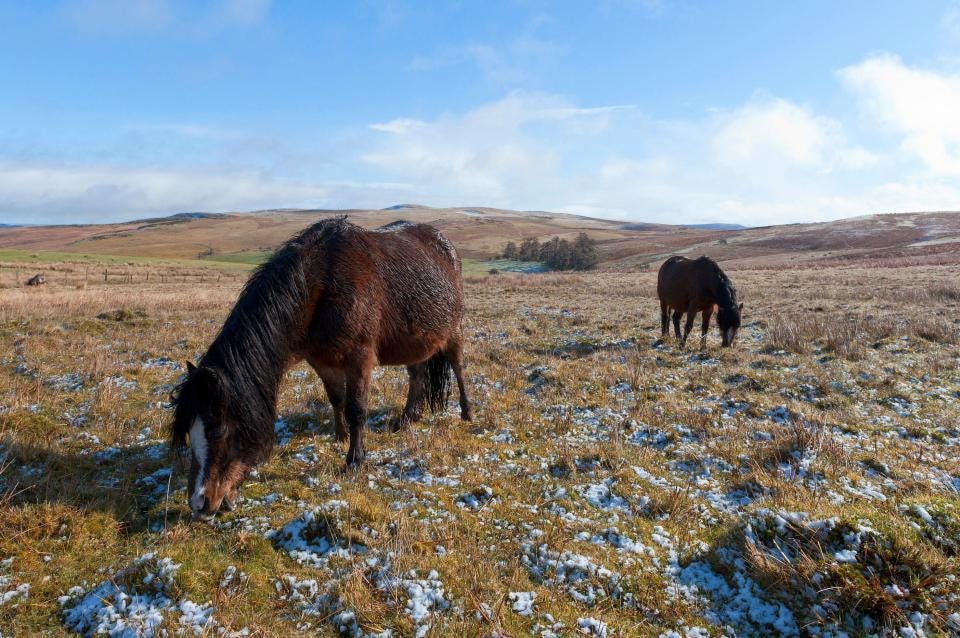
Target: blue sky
[(748, 112)]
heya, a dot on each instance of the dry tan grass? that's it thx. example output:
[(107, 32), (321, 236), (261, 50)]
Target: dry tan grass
[(546, 354)]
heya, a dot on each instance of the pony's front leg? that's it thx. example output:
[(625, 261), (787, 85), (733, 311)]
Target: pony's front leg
[(705, 326), (335, 385), (358, 386), (691, 315)]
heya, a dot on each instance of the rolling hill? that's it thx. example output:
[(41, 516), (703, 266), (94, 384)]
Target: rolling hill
[(481, 233)]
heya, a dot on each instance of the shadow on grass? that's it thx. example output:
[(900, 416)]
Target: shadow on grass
[(127, 483), (140, 485), (580, 349)]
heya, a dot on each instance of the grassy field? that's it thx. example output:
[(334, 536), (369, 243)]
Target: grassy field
[(39, 258), (79, 271), (473, 267), (481, 234), (805, 482)]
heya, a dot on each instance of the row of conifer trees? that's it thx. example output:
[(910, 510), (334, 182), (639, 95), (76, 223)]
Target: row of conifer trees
[(556, 253)]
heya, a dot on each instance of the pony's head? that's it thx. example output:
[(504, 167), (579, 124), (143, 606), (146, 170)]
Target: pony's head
[(728, 319), (202, 420)]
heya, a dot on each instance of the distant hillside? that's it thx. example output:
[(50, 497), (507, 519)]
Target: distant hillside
[(717, 226), (481, 233)]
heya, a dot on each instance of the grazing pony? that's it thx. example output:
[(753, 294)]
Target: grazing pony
[(344, 299), (697, 285)]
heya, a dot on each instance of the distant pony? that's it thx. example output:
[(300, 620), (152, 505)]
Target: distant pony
[(344, 299), (37, 280), (697, 285)]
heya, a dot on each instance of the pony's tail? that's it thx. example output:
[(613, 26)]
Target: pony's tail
[(438, 381)]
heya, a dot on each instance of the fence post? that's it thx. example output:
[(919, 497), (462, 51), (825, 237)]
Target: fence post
[(104, 275)]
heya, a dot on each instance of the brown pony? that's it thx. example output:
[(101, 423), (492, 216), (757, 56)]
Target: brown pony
[(345, 300), (697, 285)]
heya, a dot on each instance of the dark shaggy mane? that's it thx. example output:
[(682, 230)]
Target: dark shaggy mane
[(255, 342), (726, 293)]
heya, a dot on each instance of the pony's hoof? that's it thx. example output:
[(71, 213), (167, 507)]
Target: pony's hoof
[(400, 423), (341, 437), (466, 415), (355, 459)]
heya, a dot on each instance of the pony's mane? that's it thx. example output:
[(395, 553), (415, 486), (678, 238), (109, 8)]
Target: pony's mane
[(254, 344), (726, 293)]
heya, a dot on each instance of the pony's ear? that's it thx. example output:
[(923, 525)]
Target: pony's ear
[(190, 367)]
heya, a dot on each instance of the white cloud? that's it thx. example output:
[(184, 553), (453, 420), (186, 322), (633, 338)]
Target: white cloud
[(501, 151), (920, 106), (775, 134), (38, 193), (767, 160), (399, 126), (774, 129)]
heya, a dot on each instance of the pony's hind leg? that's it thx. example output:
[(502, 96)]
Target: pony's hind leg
[(455, 355), (413, 410), (676, 323), (664, 319), (335, 385)]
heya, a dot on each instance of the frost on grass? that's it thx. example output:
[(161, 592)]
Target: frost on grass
[(522, 602), (475, 500), (584, 580), (422, 599), (317, 535), (737, 602), (141, 600), (939, 524), (592, 627), (846, 575), (11, 593), (602, 497)]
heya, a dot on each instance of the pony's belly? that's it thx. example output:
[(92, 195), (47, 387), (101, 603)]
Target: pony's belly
[(407, 352)]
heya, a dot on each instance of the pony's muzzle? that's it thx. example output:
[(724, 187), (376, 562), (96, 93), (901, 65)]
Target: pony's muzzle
[(202, 513)]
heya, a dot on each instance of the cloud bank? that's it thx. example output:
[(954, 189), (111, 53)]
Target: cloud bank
[(767, 160)]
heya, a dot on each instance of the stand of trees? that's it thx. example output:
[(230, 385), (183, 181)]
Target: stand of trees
[(557, 254)]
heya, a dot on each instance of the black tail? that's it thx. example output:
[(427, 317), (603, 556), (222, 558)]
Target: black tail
[(438, 381)]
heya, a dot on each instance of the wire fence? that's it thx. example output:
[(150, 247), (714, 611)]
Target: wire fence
[(82, 275)]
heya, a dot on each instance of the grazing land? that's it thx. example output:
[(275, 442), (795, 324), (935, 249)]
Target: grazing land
[(805, 482), (481, 234)]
